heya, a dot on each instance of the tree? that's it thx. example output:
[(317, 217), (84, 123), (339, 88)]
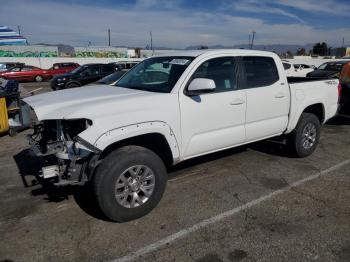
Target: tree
[(301, 51), (289, 54), (320, 49), (203, 47)]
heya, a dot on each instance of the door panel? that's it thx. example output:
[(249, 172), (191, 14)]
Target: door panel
[(268, 98), (213, 121)]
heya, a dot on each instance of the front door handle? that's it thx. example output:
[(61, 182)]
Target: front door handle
[(237, 102), (280, 95)]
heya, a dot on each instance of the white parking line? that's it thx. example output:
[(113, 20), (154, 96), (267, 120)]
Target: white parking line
[(8, 165), (184, 232)]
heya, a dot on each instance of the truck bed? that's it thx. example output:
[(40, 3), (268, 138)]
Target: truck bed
[(294, 79)]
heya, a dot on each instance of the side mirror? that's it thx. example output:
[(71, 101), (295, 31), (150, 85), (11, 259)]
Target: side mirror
[(200, 85)]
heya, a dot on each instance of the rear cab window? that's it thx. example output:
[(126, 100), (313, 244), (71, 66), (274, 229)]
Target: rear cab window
[(259, 71)]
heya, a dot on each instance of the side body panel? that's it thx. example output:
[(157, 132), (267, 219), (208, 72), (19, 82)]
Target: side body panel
[(268, 107)]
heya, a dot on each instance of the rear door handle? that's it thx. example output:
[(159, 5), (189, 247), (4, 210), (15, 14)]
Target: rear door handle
[(237, 102)]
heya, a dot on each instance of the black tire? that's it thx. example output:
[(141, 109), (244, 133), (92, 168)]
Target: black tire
[(297, 138), (72, 85), (109, 173), (12, 132), (38, 78)]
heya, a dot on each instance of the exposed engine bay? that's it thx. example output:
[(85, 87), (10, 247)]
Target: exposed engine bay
[(70, 159)]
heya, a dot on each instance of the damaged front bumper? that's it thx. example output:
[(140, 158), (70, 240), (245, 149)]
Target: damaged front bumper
[(68, 158)]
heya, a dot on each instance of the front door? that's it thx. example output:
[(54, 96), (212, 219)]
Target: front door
[(213, 121)]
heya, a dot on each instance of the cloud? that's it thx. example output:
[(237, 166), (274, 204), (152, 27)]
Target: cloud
[(253, 6), (316, 6), (159, 4), (77, 24)]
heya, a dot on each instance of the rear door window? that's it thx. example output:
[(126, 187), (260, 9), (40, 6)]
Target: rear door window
[(107, 69), (259, 71)]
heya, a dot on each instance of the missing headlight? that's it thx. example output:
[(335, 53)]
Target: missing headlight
[(72, 128)]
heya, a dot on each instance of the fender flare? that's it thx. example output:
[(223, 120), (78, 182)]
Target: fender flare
[(300, 110), (118, 134), (72, 82)]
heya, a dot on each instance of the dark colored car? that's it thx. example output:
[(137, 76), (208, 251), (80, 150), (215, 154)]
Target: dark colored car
[(112, 78), (82, 75), (328, 70), (4, 66), (124, 65)]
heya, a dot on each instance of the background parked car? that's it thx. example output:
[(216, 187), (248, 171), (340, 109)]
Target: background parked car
[(296, 70), (26, 73), (111, 79), (344, 81), (4, 66), (124, 65), (328, 69), (62, 68), (82, 75)]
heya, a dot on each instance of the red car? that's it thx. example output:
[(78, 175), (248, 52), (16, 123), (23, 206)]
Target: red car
[(32, 73), (61, 68)]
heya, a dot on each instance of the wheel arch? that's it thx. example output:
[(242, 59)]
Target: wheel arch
[(318, 109), (155, 136)]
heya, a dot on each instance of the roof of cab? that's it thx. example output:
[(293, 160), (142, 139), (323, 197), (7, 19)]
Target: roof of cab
[(195, 53)]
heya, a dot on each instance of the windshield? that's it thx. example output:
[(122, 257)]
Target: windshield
[(331, 67), (157, 74)]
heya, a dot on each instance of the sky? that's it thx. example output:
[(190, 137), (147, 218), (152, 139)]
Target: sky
[(179, 23)]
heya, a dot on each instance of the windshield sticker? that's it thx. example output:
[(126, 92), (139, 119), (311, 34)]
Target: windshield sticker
[(179, 61)]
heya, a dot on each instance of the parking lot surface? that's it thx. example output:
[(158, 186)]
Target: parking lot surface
[(253, 203)]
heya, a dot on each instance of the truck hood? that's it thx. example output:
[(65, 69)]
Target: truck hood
[(88, 102)]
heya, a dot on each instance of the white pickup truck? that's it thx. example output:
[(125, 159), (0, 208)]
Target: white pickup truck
[(169, 109)]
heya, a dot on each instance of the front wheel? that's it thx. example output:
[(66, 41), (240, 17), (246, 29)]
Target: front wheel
[(73, 85), (304, 139), (129, 183), (38, 79)]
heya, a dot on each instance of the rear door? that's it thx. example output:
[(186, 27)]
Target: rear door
[(268, 97), (213, 121), (90, 74), (107, 70)]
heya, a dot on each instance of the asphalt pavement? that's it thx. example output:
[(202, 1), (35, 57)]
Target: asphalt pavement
[(252, 203)]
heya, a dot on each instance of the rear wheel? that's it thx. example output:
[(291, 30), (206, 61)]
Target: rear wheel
[(38, 79), (304, 139), (129, 183)]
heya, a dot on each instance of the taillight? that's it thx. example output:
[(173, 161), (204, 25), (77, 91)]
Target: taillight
[(339, 90)]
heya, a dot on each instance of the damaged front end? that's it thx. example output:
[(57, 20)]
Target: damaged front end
[(69, 159)]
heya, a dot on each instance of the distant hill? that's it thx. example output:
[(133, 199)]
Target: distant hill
[(272, 48), (278, 48)]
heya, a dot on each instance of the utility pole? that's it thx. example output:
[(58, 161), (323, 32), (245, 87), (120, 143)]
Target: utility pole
[(109, 37), (151, 41), (249, 42), (343, 44), (253, 39), (19, 29)]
